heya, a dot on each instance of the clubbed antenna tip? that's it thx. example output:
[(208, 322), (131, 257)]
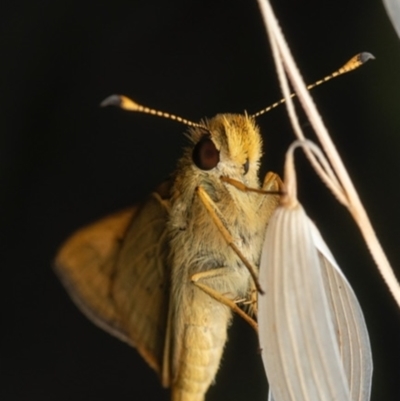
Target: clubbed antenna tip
[(123, 102)]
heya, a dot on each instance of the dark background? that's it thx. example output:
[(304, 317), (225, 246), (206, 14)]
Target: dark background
[(65, 162)]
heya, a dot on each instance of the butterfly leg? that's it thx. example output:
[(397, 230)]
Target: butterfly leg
[(270, 191), (252, 302), (272, 183), (196, 280), (268, 203)]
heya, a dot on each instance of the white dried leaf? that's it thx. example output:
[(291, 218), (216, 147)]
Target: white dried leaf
[(314, 342), (348, 319)]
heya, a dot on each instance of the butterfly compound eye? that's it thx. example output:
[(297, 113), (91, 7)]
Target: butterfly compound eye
[(205, 155)]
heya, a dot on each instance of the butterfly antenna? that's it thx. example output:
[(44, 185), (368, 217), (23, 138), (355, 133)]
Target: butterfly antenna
[(357, 61), (128, 104)]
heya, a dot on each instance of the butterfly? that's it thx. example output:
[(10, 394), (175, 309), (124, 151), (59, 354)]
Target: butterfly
[(165, 274)]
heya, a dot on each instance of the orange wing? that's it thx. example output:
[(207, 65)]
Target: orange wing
[(116, 272)]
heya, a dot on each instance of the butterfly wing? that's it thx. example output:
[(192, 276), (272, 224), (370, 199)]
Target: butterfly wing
[(115, 271), (141, 285)]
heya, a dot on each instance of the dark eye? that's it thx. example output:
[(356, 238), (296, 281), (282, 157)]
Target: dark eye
[(205, 154), (246, 167)]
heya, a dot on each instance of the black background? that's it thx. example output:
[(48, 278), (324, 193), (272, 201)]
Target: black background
[(65, 162)]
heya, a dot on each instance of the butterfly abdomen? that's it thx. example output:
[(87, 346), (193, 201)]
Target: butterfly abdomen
[(204, 334)]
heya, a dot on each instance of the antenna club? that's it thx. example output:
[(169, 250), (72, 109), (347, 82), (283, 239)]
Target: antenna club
[(121, 101), (357, 61)]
